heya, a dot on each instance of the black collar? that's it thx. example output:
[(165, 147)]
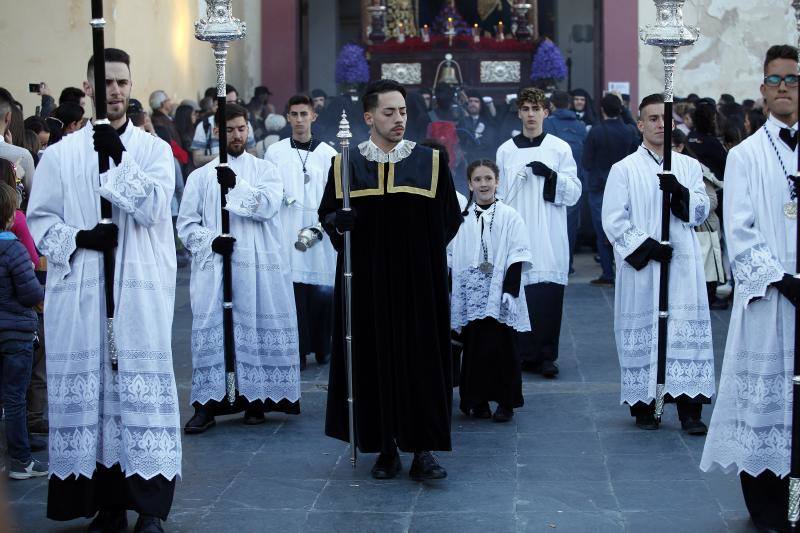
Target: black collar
[(524, 142), (122, 128), (309, 146)]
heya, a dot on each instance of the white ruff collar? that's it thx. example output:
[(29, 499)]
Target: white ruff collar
[(371, 152)]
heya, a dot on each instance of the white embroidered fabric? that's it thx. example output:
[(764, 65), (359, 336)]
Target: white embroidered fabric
[(754, 270), (371, 152), (243, 200), (199, 244), (472, 299), (126, 186), (58, 245)]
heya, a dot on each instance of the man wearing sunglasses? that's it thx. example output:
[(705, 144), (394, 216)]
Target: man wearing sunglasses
[(751, 426)]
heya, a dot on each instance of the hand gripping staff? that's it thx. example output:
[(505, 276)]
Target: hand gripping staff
[(219, 28), (98, 49), (668, 33), (344, 137)]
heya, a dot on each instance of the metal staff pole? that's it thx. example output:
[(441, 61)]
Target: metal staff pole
[(344, 137), (219, 27), (668, 33), (98, 49), (794, 465)]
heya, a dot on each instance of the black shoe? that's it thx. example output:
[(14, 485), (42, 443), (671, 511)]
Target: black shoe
[(530, 366), (718, 305), (425, 466), (501, 414), (148, 524), (109, 521), (386, 466), (482, 411), (322, 359), (647, 421), (694, 426), (201, 421), (549, 369), (303, 363), (603, 282), (254, 414), (36, 444)]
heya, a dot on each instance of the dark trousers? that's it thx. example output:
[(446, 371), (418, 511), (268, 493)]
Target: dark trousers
[(545, 306), (15, 375), (688, 408), (37, 390), (108, 488), (314, 318), (767, 499), (573, 223), (604, 248)]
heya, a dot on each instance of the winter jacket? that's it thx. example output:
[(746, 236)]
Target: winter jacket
[(607, 143), (19, 290), (564, 124)]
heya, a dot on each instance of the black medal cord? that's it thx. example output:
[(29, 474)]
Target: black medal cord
[(308, 153), (789, 178)]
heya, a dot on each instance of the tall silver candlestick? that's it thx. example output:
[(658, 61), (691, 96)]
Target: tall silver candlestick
[(794, 465)]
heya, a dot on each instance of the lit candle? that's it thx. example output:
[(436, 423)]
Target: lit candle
[(401, 33), (501, 36), (425, 33), (476, 33)]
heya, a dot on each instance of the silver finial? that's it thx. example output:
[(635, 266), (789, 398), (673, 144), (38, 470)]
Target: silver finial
[(669, 33), (344, 129), (219, 25)]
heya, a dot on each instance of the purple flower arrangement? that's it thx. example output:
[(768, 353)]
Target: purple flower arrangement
[(459, 24), (351, 65), (548, 63)]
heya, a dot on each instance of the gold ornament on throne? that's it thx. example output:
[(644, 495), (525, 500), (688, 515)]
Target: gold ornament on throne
[(401, 14)]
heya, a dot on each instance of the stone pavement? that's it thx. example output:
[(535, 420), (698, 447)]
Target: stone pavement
[(571, 460)]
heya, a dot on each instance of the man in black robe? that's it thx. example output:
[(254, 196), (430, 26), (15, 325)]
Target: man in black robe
[(404, 212)]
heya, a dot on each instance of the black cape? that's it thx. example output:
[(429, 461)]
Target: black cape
[(406, 214)]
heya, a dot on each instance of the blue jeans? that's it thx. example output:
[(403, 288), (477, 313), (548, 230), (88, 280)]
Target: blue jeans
[(15, 375), (603, 246)]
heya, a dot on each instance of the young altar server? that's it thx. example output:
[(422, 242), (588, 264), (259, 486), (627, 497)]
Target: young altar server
[(265, 324), (114, 438), (632, 221), (303, 162), (539, 178), (751, 428), (490, 253)]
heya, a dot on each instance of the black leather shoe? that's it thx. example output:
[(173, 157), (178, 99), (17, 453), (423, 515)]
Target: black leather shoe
[(322, 359), (254, 414), (386, 466), (425, 466), (549, 369), (109, 521), (647, 421), (201, 421), (482, 411), (148, 524), (694, 426), (501, 414)]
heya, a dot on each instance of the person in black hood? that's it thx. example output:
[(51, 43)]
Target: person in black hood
[(583, 106)]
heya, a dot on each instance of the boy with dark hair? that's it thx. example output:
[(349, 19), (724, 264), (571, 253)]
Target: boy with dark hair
[(539, 178), (751, 428), (19, 292)]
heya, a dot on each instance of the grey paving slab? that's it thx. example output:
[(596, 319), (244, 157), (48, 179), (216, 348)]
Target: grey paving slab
[(571, 459)]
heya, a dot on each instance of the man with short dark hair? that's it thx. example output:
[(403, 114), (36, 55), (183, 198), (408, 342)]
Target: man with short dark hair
[(72, 94), (319, 98), (404, 212), (114, 438), (205, 145), (479, 122), (267, 366), (304, 162), (751, 428), (608, 142), (17, 155), (539, 178), (564, 124), (631, 217)]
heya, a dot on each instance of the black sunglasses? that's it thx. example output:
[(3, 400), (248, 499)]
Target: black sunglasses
[(774, 80)]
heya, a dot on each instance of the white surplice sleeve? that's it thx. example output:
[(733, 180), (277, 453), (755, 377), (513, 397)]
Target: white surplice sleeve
[(54, 238), (568, 186), (196, 237), (144, 192), (259, 200), (619, 229), (754, 265), (699, 203)]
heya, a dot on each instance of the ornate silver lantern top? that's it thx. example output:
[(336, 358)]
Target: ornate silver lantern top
[(669, 30), (219, 24), (344, 129)]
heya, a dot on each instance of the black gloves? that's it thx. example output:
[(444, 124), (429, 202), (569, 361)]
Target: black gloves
[(669, 183), (345, 220), (102, 237), (226, 177), (789, 286), (223, 245), (661, 253), (540, 169), (107, 142)]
